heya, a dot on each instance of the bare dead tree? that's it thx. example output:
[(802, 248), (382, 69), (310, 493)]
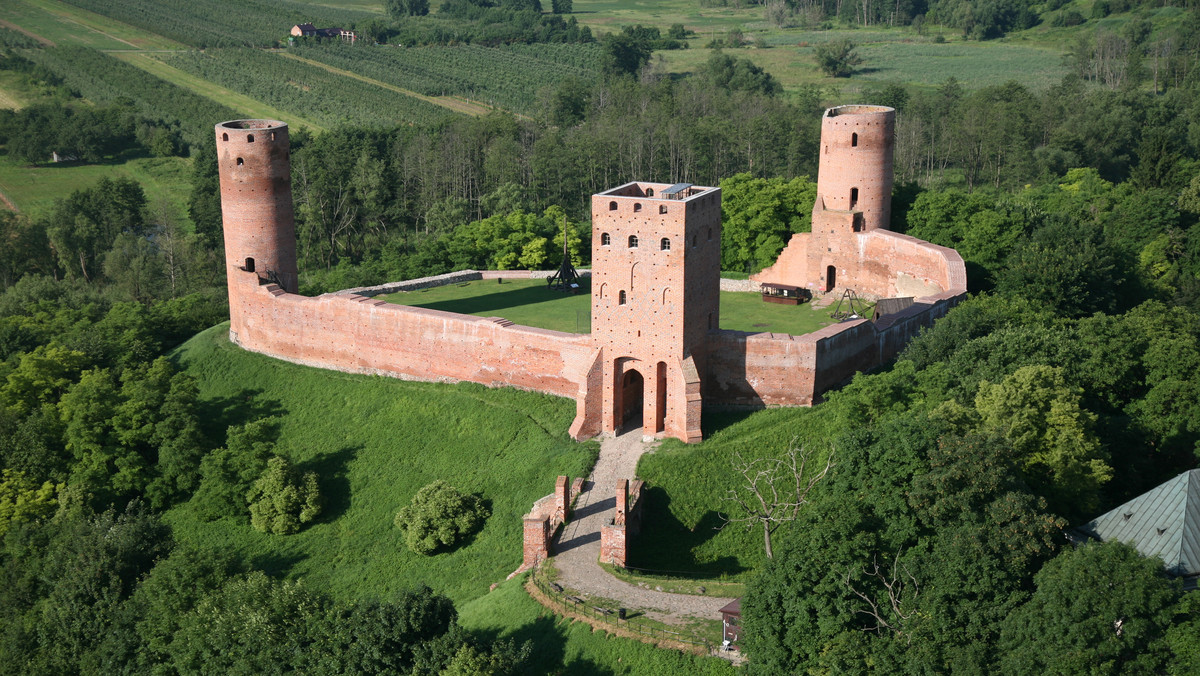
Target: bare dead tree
[(898, 582), (774, 490)]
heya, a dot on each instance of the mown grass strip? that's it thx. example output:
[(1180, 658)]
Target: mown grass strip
[(102, 32), (253, 108)]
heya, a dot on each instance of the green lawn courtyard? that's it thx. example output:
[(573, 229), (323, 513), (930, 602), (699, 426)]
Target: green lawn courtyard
[(529, 302)]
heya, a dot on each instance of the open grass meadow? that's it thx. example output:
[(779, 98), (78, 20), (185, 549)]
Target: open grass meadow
[(888, 57), (530, 303), (167, 181), (375, 441), (64, 24)]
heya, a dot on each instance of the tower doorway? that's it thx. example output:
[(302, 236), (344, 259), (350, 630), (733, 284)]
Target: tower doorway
[(830, 278), (632, 391)]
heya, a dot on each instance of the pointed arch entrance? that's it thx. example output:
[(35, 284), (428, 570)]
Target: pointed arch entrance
[(632, 396)]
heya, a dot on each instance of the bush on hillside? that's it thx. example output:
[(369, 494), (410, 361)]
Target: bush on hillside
[(440, 516), (281, 500)]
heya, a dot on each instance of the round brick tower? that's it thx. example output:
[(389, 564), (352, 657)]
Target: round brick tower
[(256, 202), (855, 172)]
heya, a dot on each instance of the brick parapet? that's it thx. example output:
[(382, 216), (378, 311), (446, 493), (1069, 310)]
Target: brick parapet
[(358, 334)]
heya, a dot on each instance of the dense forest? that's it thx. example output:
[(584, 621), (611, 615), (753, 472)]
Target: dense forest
[(1067, 384)]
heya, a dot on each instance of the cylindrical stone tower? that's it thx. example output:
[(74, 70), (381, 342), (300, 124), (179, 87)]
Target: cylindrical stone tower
[(256, 201), (855, 171)]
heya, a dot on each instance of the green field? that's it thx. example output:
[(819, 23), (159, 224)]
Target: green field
[(166, 181), (887, 58), (249, 107), (530, 303), (66, 25)]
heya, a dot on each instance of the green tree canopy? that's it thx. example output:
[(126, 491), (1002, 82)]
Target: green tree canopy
[(439, 516)]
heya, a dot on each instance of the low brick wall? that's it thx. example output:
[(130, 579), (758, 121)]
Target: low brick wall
[(755, 370)]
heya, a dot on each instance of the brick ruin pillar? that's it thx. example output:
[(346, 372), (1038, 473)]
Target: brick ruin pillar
[(562, 499), (622, 502), (537, 541)]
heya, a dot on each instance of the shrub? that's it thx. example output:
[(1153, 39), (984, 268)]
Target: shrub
[(281, 499), (837, 59), (439, 516)]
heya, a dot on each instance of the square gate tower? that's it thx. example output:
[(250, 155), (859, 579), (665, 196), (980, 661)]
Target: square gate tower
[(656, 268)]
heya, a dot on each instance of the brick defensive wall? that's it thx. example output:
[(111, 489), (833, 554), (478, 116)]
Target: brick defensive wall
[(656, 355)]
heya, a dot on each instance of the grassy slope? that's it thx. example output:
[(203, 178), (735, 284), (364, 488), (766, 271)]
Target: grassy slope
[(564, 647), (688, 483), (166, 180), (375, 441), (530, 303)]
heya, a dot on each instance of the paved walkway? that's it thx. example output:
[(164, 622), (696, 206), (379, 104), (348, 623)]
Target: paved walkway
[(577, 551)]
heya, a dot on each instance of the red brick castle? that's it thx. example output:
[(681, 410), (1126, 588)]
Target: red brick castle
[(656, 354)]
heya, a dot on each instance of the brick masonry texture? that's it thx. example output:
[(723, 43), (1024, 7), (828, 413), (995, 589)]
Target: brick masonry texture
[(615, 536), (656, 354)]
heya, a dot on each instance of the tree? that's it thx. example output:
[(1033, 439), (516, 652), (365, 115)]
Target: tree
[(561, 6), (84, 226), (440, 516), (773, 491), (22, 500), (1101, 609), (226, 474), (1041, 416), (759, 216), (624, 54), (282, 499), (837, 59)]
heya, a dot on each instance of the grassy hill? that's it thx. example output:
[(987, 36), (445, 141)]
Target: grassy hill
[(375, 441)]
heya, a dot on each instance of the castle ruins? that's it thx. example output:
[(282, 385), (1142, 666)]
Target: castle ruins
[(656, 355)]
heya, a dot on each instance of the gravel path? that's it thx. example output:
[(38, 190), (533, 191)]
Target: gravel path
[(577, 551)]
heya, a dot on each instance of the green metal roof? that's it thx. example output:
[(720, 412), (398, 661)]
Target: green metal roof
[(1164, 522)]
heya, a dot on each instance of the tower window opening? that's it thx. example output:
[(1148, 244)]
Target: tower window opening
[(665, 244), (693, 241), (272, 136), (249, 138), (612, 206), (224, 137), (637, 207), (621, 297), (240, 162), (854, 140), (249, 265), (633, 243), (662, 209), (649, 192), (710, 234), (605, 239), (853, 197)]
